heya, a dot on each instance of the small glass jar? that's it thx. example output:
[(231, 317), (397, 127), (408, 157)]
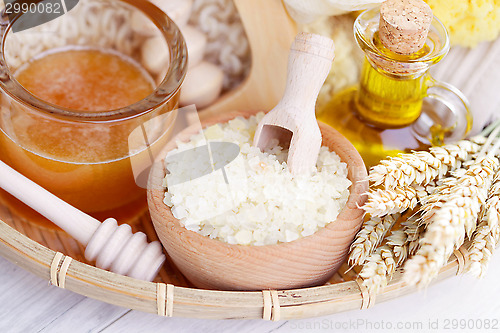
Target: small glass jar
[(85, 157), (397, 106)]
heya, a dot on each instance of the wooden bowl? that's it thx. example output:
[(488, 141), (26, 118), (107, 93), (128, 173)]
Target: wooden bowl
[(308, 261)]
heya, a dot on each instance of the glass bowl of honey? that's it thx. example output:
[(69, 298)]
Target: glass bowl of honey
[(73, 90)]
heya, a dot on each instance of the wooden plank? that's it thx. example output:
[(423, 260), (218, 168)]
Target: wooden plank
[(136, 321), (29, 304), (88, 315), (17, 313)]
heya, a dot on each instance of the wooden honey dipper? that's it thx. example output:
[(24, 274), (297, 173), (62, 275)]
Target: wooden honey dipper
[(293, 121), (113, 247)]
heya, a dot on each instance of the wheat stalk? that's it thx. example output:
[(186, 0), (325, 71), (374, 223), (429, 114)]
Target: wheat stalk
[(404, 241), (460, 207), (450, 218), (424, 191), (383, 202), (433, 198), (422, 167), (370, 236), (398, 241), (378, 269), (483, 245), (449, 210), (493, 217), (425, 265), (487, 235), (414, 232)]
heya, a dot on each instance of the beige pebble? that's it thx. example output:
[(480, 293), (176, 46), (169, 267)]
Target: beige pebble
[(155, 55), (202, 85), (404, 25), (178, 10), (196, 43)]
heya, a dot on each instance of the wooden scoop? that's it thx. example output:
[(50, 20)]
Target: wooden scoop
[(113, 246), (293, 121)]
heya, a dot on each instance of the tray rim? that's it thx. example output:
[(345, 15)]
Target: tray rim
[(139, 295)]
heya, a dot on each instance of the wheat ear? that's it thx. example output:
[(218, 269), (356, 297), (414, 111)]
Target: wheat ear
[(422, 167), (414, 232), (425, 265), (404, 241), (487, 235), (383, 202), (378, 269), (398, 241), (424, 191), (370, 236), (482, 247)]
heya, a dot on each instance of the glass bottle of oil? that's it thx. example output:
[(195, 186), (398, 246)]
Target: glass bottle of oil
[(386, 113)]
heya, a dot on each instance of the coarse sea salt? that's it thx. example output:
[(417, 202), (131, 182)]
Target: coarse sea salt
[(253, 199)]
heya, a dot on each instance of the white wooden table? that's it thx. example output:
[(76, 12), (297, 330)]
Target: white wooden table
[(29, 304)]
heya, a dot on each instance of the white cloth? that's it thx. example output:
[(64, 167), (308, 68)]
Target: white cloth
[(307, 11), (475, 72)]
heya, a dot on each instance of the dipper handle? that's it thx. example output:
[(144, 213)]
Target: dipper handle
[(112, 246)]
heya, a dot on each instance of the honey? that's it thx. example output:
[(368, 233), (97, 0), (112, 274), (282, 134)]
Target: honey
[(85, 79), (87, 166)]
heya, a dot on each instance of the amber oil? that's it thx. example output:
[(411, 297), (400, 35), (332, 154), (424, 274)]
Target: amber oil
[(376, 114)]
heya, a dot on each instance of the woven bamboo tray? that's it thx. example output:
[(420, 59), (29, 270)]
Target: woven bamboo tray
[(36, 249)]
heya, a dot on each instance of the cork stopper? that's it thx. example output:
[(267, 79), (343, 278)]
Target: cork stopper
[(404, 25)]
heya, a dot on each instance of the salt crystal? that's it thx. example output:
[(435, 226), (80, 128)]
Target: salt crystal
[(168, 199), (291, 235), (179, 212), (243, 237)]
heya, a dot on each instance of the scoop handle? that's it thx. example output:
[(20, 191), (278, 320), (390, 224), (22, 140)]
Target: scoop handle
[(76, 223), (112, 246), (309, 63)]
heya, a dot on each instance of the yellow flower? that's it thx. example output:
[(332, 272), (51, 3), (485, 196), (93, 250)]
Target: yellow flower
[(468, 21)]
